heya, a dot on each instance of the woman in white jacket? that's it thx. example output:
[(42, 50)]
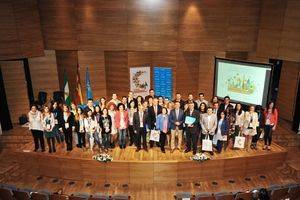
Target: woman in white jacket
[(36, 127), (48, 125), (250, 124), (90, 124)]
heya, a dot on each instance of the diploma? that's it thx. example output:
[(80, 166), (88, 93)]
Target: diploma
[(189, 120)]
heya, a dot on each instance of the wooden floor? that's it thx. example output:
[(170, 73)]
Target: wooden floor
[(20, 168), (153, 154)]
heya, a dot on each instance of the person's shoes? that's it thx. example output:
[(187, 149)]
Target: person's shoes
[(54, 150), (211, 153), (43, 150), (265, 148), (163, 151), (35, 150), (50, 151), (172, 150), (137, 150), (146, 149), (194, 152), (131, 143), (187, 150), (269, 148)]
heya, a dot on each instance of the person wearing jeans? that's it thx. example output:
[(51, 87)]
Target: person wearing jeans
[(271, 120), (121, 120)]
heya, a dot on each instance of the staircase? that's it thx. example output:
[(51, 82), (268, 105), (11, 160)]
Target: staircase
[(15, 138)]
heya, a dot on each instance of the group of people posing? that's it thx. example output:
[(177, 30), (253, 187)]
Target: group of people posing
[(129, 121)]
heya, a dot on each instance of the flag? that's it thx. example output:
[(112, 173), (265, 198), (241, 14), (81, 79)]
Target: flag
[(67, 90), (78, 93), (89, 94)]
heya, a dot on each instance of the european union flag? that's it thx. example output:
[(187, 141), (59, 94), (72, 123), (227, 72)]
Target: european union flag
[(89, 93)]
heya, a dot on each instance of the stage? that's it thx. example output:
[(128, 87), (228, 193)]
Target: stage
[(149, 167)]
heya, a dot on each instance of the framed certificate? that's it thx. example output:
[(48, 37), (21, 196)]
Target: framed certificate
[(189, 120)]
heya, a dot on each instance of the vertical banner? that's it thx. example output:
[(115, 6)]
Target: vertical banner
[(140, 80), (163, 81)]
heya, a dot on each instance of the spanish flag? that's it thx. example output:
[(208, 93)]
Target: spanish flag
[(78, 94)]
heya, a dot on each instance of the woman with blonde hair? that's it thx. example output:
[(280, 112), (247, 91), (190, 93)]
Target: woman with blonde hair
[(250, 124)]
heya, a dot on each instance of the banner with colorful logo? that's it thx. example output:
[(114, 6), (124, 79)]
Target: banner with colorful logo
[(140, 80)]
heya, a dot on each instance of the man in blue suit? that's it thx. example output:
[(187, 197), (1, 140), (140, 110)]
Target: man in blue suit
[(176, 119)]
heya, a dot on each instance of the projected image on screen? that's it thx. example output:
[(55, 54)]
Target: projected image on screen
[(242, 81)]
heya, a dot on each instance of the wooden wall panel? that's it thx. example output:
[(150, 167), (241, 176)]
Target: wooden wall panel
[(58, 24), (15, 88), (207, 71), (9, 46), (271, 24), (290, 37), (187, 75), (152, 25), (20, 33), (202, 25), (243, 24), (236, 55), (94, 60), (28, 26), (67, 62), (290, 74), (117, 73), (101, 24), (44, 76)]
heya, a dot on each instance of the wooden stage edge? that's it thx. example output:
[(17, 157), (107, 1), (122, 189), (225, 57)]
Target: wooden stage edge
[(74, 166)]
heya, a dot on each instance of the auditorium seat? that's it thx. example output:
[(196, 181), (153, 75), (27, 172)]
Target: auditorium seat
[(22, 194), (40, 195), (224, 196), (243, 196), (204, 196), (99, 196), (59, 197), (294, 192), (6, 194), (120, 197), (181, 195), (79, 196), (279, 193)]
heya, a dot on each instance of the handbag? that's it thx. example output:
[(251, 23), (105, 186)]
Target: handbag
[(207, 144), (239, 141), (154, 135)]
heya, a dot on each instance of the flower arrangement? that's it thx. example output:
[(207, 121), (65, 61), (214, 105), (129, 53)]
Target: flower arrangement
[(103, 157), (200, 157)]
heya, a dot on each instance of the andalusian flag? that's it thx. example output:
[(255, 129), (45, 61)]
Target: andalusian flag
[(89, 94), (78, 93), (67, 90)]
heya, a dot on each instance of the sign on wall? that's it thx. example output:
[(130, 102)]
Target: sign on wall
[(140, 80), (163, 81)]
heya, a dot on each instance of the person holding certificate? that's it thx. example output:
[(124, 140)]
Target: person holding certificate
[(192, 130), (209, 124)]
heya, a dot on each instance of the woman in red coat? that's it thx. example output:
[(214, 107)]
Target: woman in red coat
[(271, 119), (121, 120)]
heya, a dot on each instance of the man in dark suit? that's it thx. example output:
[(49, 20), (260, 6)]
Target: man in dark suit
[(153, 111), (192, 130), (179, 99), (151, 94), (191, 99), (176, 120), (140, 119), (131, 98), (226, 105)]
